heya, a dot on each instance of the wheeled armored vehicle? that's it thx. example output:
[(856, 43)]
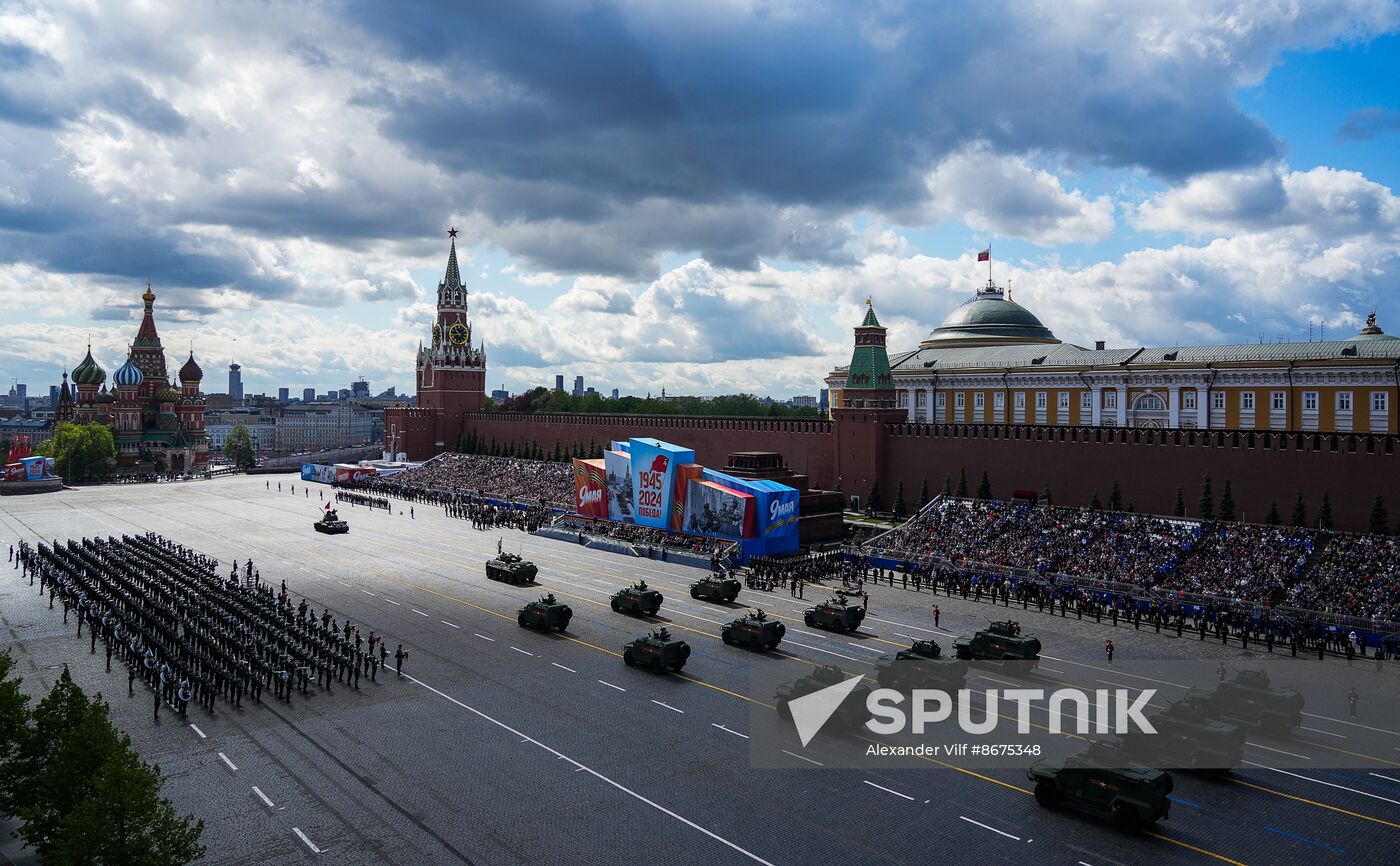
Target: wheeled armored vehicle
[(1190, 736), (922, 666), (510, 568), (851, 713), (999, 641), (837, 613), (1249, 700), (754, 630), (716, 587), (545, 614), (637, 600), (658, 650), (1102, 782)]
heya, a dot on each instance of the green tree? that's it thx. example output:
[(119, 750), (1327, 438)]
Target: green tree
[(1273, 518), (1115, 497), (1380, 520), (873, 501), (923, 494), (900, 510), (81, 452), (984, 487), (239, 449), (124, 821), (1045, 497), (1300, 512), (14, 725), (948, 485), (1207, 504), (962, 483), (1227, 503), (1324, 513), (1094, 503), (1179, 509)]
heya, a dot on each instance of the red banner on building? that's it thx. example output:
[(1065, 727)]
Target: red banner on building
[(590, 488), (685, 473)]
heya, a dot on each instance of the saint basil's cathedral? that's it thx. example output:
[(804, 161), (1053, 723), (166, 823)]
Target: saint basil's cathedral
[(151, 418)]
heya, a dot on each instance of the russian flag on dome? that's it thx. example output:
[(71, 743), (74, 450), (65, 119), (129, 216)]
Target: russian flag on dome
[(985, 255)]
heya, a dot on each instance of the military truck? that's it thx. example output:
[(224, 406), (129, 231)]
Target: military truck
[(849, 716), (1190, 736), (754, 630), (331, 524), (715, 587), (922, 666), (657, 650), (999, 641), (1250, 701), (637, 600), (1102, 782), (545, 614), (837, 613), (510, 568)]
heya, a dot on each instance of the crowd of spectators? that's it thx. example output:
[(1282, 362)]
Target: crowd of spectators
[(645, 536), (511, 479), (1332, 572)]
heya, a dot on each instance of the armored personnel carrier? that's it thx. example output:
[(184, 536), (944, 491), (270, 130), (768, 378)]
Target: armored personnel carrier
[(716, 587), (1249, 700), (754, 630), (1190, 736), (637, 599), (1132, 796), (922, 666), (658, 651), (331, 524), (999, 641), (837, 613), (545, 614), (510, 568), (848, 716)]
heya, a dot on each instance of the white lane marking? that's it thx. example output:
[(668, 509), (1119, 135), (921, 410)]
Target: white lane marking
[(302, 567), (807, 633), (1353, 724), (1280, 751), (902, 634), (231, 765), (366, 592), (484, 637), (802, 758), (746, 736), (309, 844), (1082, 863), (993, 829), (995, 680), (1328, 784), (1120, 685), (669, 707), (597, 775), (866, 648), (262, 796), (611, 686), (570, 670), (394, 603), (827, 651), (445, 622), (198, 731), (1320, 731), (1112, 671), (914, 627), (887, 790), (417, 611), (1053, 671), (523, 652), (342, 583), (1387, 778)]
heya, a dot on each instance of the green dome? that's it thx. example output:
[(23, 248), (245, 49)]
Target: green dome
[(989, 319), (89, 372), (1372, 331)]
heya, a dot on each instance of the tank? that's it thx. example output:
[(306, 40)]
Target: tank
[(922, 666), (510, 568), (545, 614), (1249, 700), (331, 524), (849, 716), (754, 630), (658, 650), (1190, 736), (1132, 796), (637, 599), (999, 641), (836, 613), (714, 587)]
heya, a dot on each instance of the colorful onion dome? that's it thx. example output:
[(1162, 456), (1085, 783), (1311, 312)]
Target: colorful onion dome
[(89, 372), (191, 371), (129, 376)]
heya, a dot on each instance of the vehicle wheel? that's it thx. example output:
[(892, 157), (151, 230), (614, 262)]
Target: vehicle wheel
[(838, 626), (521, 619), (1126, 819), (726, 636), (783, 712), (676, 668), (1047, 795), (628, 658), (659, 666), (730, 598), (773, 644), (695, 593), (617, 608), (807, 618)]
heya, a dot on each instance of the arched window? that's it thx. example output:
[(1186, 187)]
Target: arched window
[(1149, 403)]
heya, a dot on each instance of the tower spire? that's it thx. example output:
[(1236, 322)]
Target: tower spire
[(453, 278)]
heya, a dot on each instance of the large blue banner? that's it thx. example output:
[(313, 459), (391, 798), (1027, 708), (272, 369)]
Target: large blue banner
[(777, 511), (653, 467)]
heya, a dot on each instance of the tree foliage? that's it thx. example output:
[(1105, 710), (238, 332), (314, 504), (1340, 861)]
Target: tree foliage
[(1207, 503), (1300, 512), (984, 487), (239, 448), (542, 400), (1380, 518), (81, 452), (1227, 503)]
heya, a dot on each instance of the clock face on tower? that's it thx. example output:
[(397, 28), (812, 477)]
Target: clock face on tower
[(458, 334)]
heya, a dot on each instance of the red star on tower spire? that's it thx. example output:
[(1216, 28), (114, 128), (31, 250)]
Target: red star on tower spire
[(452, 232)]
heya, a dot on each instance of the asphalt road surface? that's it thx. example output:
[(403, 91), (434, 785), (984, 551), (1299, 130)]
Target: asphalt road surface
[(501, 745)]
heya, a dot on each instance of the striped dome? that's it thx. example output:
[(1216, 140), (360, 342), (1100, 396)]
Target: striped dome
[(129, 376), (89, 372)]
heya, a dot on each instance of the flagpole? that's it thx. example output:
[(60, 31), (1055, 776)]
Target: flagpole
[(989, 264)]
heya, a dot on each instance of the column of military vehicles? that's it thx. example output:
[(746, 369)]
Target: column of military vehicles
[(1115, 779)]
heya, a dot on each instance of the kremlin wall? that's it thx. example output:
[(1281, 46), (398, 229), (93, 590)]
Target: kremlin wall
[(992, 390)]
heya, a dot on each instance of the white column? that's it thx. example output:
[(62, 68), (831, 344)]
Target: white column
[(1096, 406), (928, 404), (1122, 406), (911, 408), (1173, 406), (1202, 408)]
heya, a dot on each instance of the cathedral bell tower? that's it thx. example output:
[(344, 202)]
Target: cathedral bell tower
[(451, 371)]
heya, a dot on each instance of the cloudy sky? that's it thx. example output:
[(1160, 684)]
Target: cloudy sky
[(690, 195)]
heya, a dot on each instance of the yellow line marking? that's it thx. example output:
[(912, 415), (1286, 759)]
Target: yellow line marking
[(1315, 803)]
